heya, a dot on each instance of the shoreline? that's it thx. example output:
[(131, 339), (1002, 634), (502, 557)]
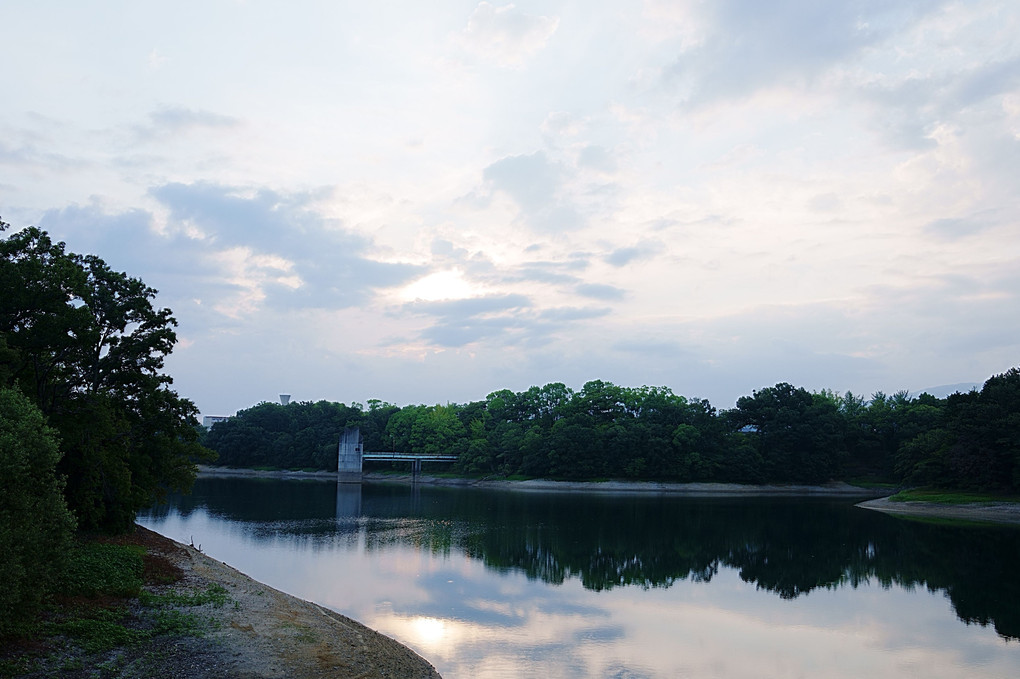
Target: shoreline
[(833, 489), (984, 512), (874, 499), (265, 632)]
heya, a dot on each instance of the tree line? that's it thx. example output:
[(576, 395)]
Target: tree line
[(90, 429), (778, 434)]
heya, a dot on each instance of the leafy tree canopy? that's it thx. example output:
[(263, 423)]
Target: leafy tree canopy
[(87, 346)]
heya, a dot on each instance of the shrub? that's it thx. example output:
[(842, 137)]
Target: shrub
[(35, 524)]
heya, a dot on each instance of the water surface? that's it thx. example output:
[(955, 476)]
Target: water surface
[(514, 584)]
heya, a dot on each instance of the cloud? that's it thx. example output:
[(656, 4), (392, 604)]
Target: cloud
[(170, 121), (747, 46), (975, 85), (561, 124), (332, 266), (534, 183), (502, 320), (722, 182), (553, 272), (32, 155), (506, 35), (457, 333), (234, 248), (600, 291), (597, 158), (953, 227), (470, 307), (183, 270), (566, 314), (444, 248), (623, 256), (175, 118), (125, 240), (463, 321), (670, 349)]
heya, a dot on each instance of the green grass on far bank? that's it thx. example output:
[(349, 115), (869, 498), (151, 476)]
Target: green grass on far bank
[(950, 497), (872, 483)]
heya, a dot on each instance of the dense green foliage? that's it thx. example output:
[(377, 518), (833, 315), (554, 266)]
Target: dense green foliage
[(780, 434), (300, 435), (35, 525), (86, 345)]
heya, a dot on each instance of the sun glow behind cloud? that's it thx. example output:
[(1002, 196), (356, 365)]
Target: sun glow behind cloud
[(441, 285)]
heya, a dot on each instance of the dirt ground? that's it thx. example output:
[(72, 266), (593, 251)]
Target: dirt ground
[(254, 632), (263, 632)]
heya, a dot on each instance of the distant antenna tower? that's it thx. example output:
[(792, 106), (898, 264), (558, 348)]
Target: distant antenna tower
[(284, 399)]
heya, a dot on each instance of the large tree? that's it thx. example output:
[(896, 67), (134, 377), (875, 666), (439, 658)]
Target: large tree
[(797, 434), (86, 344)]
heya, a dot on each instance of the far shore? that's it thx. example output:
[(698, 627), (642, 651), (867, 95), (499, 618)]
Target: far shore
[(995, 512), (874, 498), (833, 489)]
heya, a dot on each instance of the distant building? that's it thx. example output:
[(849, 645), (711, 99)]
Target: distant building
[(284, 399), (210, 420)]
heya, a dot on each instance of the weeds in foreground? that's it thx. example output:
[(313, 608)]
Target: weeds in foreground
[(102, 617), (97, 630), (97, 568), (214, 594)]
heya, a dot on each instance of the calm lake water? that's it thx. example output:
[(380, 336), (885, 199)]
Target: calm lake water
[(520, 584)]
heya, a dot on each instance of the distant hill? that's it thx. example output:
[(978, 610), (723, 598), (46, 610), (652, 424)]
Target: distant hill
[(946, 389)]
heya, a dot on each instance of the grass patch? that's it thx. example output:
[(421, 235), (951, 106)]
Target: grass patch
[(214, 594), (181, 622), (453, 475), (97, 568), (96, 631), (873, 484), (103, 618), (950, 497)]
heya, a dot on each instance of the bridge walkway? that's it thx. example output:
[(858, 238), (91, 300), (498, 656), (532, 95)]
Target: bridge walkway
[(352, 454)]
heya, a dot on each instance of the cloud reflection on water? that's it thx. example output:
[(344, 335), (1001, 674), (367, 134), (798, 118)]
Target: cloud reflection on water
[(471, 620)]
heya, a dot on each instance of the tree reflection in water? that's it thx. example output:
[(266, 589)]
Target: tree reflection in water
[(788, 546)]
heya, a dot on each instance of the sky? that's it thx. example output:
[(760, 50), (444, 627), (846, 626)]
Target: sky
[(428, 202)]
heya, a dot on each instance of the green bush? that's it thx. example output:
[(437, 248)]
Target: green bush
[(35, 524)]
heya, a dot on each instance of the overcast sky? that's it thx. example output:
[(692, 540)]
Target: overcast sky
[(425, 202)]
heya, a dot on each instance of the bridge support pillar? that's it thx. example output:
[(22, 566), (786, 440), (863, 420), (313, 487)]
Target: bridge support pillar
[(350, 455)]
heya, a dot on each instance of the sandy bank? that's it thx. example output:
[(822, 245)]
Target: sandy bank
[(262, 632), (998, 512)]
